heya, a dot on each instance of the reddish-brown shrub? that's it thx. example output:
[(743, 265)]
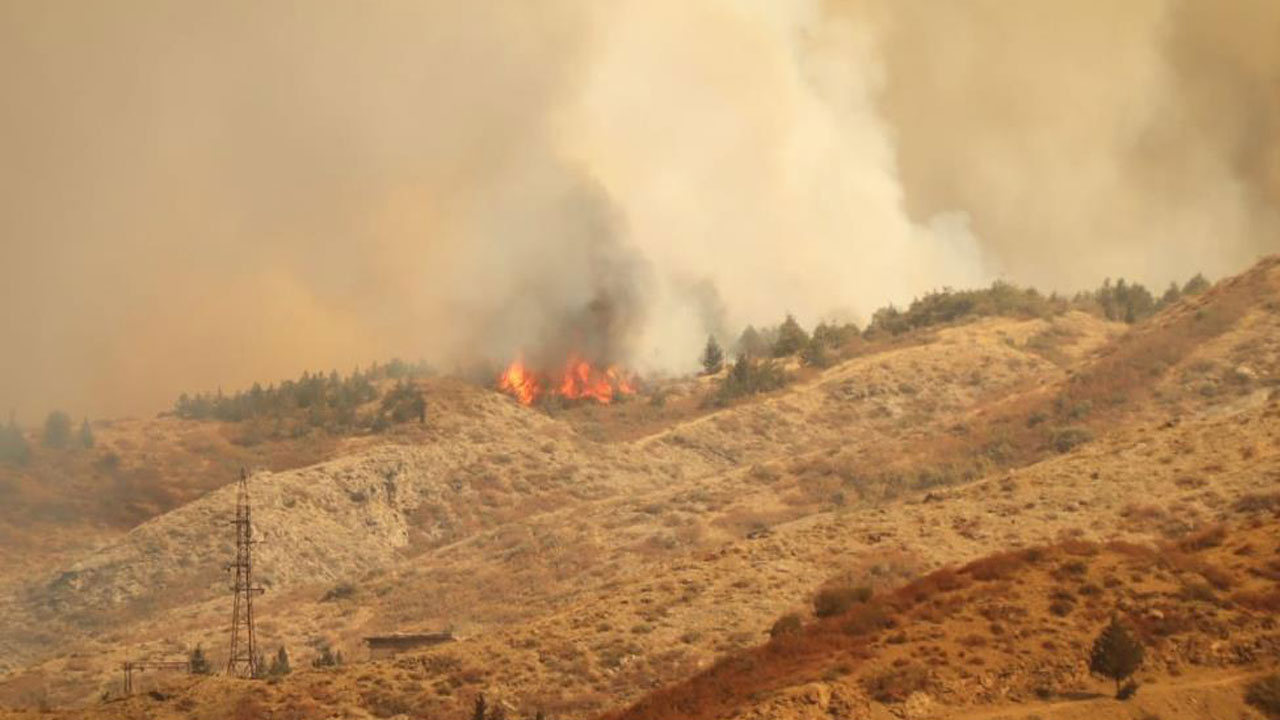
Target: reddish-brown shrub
[(1216, 576), (836, 599), (995, 567), (1121, 547), (1210, 537), (1264, 602), (896, 684), (864, 619)]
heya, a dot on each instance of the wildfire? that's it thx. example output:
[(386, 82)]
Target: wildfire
[(577, 381)]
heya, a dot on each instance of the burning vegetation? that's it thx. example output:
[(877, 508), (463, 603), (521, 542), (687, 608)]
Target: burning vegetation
[(579, 379)]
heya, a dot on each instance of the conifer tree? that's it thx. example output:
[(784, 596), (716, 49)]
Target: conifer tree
[(750, 343), (13, 446), (86, 435), (791, 338), (57, 430), (712, 356), (198, 663), (1116, 653), (1196, 285), (280, 664)]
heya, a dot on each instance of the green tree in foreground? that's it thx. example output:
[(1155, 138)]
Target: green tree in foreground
[(712, 356), (1116, 653)]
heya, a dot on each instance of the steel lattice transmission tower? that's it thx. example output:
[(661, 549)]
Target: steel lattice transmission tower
[(243, 660)]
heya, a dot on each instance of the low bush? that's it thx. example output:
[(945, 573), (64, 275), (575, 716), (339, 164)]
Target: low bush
[(995, 567), (1067, 438), (1264, 694), (836, 599), (789, 624), (895, 685), (1203, 540)]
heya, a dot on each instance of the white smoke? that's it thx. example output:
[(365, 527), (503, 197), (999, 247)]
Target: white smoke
[(743, 143)]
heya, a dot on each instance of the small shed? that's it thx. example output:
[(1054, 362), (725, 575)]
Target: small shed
[(385, 646)]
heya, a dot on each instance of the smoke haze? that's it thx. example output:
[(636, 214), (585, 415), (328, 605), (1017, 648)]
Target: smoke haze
[(197, 195)]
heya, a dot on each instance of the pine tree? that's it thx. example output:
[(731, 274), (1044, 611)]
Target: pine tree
[(1196, 285), (791, 338), (280, 664), (480, 710), (57, 430), (750, 343), (327, 658), (13, 446), (198, 663), (1116, 653), (86, 434), (815, 353), (712, 356)]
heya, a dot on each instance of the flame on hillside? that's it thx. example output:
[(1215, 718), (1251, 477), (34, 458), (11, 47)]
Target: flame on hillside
[(577, 380)]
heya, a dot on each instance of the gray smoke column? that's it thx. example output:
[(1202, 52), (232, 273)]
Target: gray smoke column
[(205, 194)]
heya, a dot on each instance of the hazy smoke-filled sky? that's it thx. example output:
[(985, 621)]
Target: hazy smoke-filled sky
[(196, 195)]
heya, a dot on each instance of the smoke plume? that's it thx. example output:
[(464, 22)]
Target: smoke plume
[(198, 195)]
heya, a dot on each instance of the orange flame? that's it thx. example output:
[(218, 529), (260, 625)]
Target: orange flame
[(578, 380), (520, 383)]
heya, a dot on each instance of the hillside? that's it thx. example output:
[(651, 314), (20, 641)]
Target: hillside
[(587, 556)]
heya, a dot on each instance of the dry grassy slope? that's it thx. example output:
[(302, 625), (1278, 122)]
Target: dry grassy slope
[(582, 573), (568, 515), (64, 502), (1008, 637)]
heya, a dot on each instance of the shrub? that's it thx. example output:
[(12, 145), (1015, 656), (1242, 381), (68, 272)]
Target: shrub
[(1264, 694), (1265, 602), (341, 591), (836, 599), (864, 618), (995, 567), (1116, 653), (327, 658), (1258, 502), (789, 624), (1208, 538), (896, 684), (1065, 439)]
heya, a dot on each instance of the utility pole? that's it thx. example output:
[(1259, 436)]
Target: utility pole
[(243, 661)]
